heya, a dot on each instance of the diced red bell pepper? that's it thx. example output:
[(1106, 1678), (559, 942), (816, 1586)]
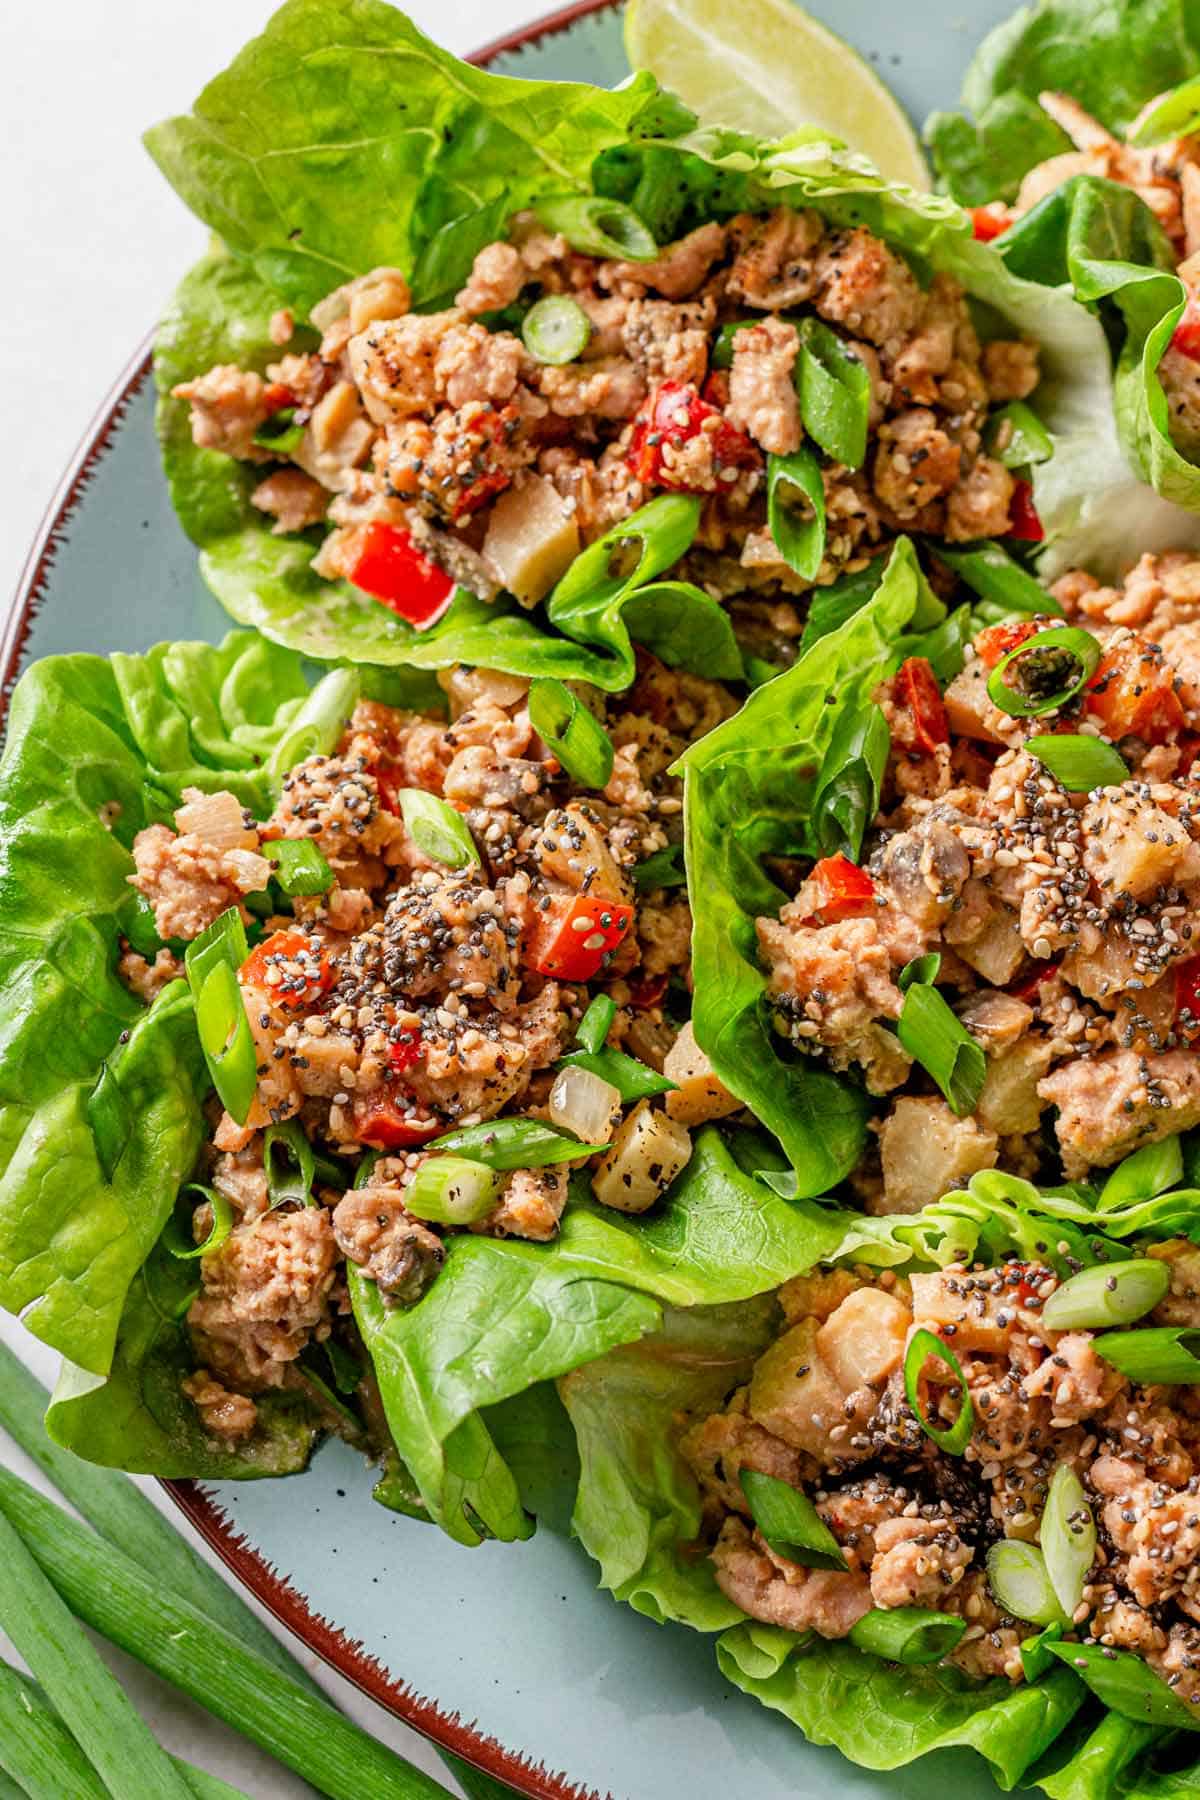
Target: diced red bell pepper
[(1133, 693), (1023, 521), (277, 396), (671, 418), (987, 222), (406, 1052), (716, 388), (1187, 998), (291, 967), (839, 890), (920, 697), (1186, 337), (391, 1120), (997, 640), (392, 570), (1026, 987), (575, 937), (648, 993), (489, 427)]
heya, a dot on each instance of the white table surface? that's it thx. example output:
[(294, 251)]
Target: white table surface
[(92, 241)]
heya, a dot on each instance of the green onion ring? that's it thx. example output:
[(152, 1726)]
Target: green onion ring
[(180, 1241), (921, 1346), (556, 329), (1109, 1294), (570, 731), (908, 1634), (1065, 639)]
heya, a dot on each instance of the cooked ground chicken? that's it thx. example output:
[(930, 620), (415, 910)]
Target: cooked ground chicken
[(428, 422), (826, 1411)]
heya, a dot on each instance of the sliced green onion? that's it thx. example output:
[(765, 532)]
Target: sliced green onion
[(789, 1522), (1127, 1685), (629, 555), (1035, 1651), (597, 226), (437, 830), (1002, 584), (515, 1144), (722, 350), (1044, 661), (924, 969), (82, 1690), (1080, 764), (1020, 1581), (835, 394), (908, 1634), (596, 1023), (1174, 114), (799, 537), (109, 1120), (662, 869), (299, 866), (1159, 1355), (316, 725), (178, 1235), (939, 1041), (1154, 1169), (212, 961), (848, 790), (1110, 1294), (279, 434), (1068, 1538), (290, 1165), (570, 731), (452, 1190), (556, 329), (108, 1590), (953, 1439), (1017, 438), (632, 1079)]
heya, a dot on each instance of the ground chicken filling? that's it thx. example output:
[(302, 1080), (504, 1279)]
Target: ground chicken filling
[(442, 434), (1067, 923), (826, 1411), (410, 998)]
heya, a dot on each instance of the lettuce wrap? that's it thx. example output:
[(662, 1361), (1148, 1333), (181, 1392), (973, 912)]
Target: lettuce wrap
[(276, 161), (1093, 237), (638, 1513)]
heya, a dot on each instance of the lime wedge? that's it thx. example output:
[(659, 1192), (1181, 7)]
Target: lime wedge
[(768, 67)]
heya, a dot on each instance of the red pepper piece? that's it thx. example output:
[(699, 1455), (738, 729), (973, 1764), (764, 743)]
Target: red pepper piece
[(648, 993), (920, 696), (1026, 986), (406, 1053), (1133, 693), (392, 570), (278, 395), (301, 970), (997, 640), (987, 222), (1187, 998), (575, 937), (1023, 521), (391, 1121), (839, 890), (671, 418), (1186, 338)]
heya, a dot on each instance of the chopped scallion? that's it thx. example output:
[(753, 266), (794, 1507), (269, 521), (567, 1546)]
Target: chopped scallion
[(515, 1144), (1002, 584), (908, 1634), (1109, 1294), (1160, 1354), (1127, 1685), (796, 510), (835, 394), (437, 830), (851, 780), (290, 1165), (1053, 666), (1081, 763), (1017, 438), (1020, 1581), (299, 866), (596, 1023), (556, 329), (280, 434), (1035, 1651), (939, 1041), (452, 1190), (179, 1237), (789, 1522), (632, 1079), (1068, 1538), (570, 731), (597, 226), (317, 724), (953, 1439), (212, 961)]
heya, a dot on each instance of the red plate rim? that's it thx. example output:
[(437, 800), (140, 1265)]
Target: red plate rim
[(252, 1571)]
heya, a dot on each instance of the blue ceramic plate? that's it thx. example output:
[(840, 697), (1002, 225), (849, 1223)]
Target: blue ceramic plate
[(507, 1654)]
